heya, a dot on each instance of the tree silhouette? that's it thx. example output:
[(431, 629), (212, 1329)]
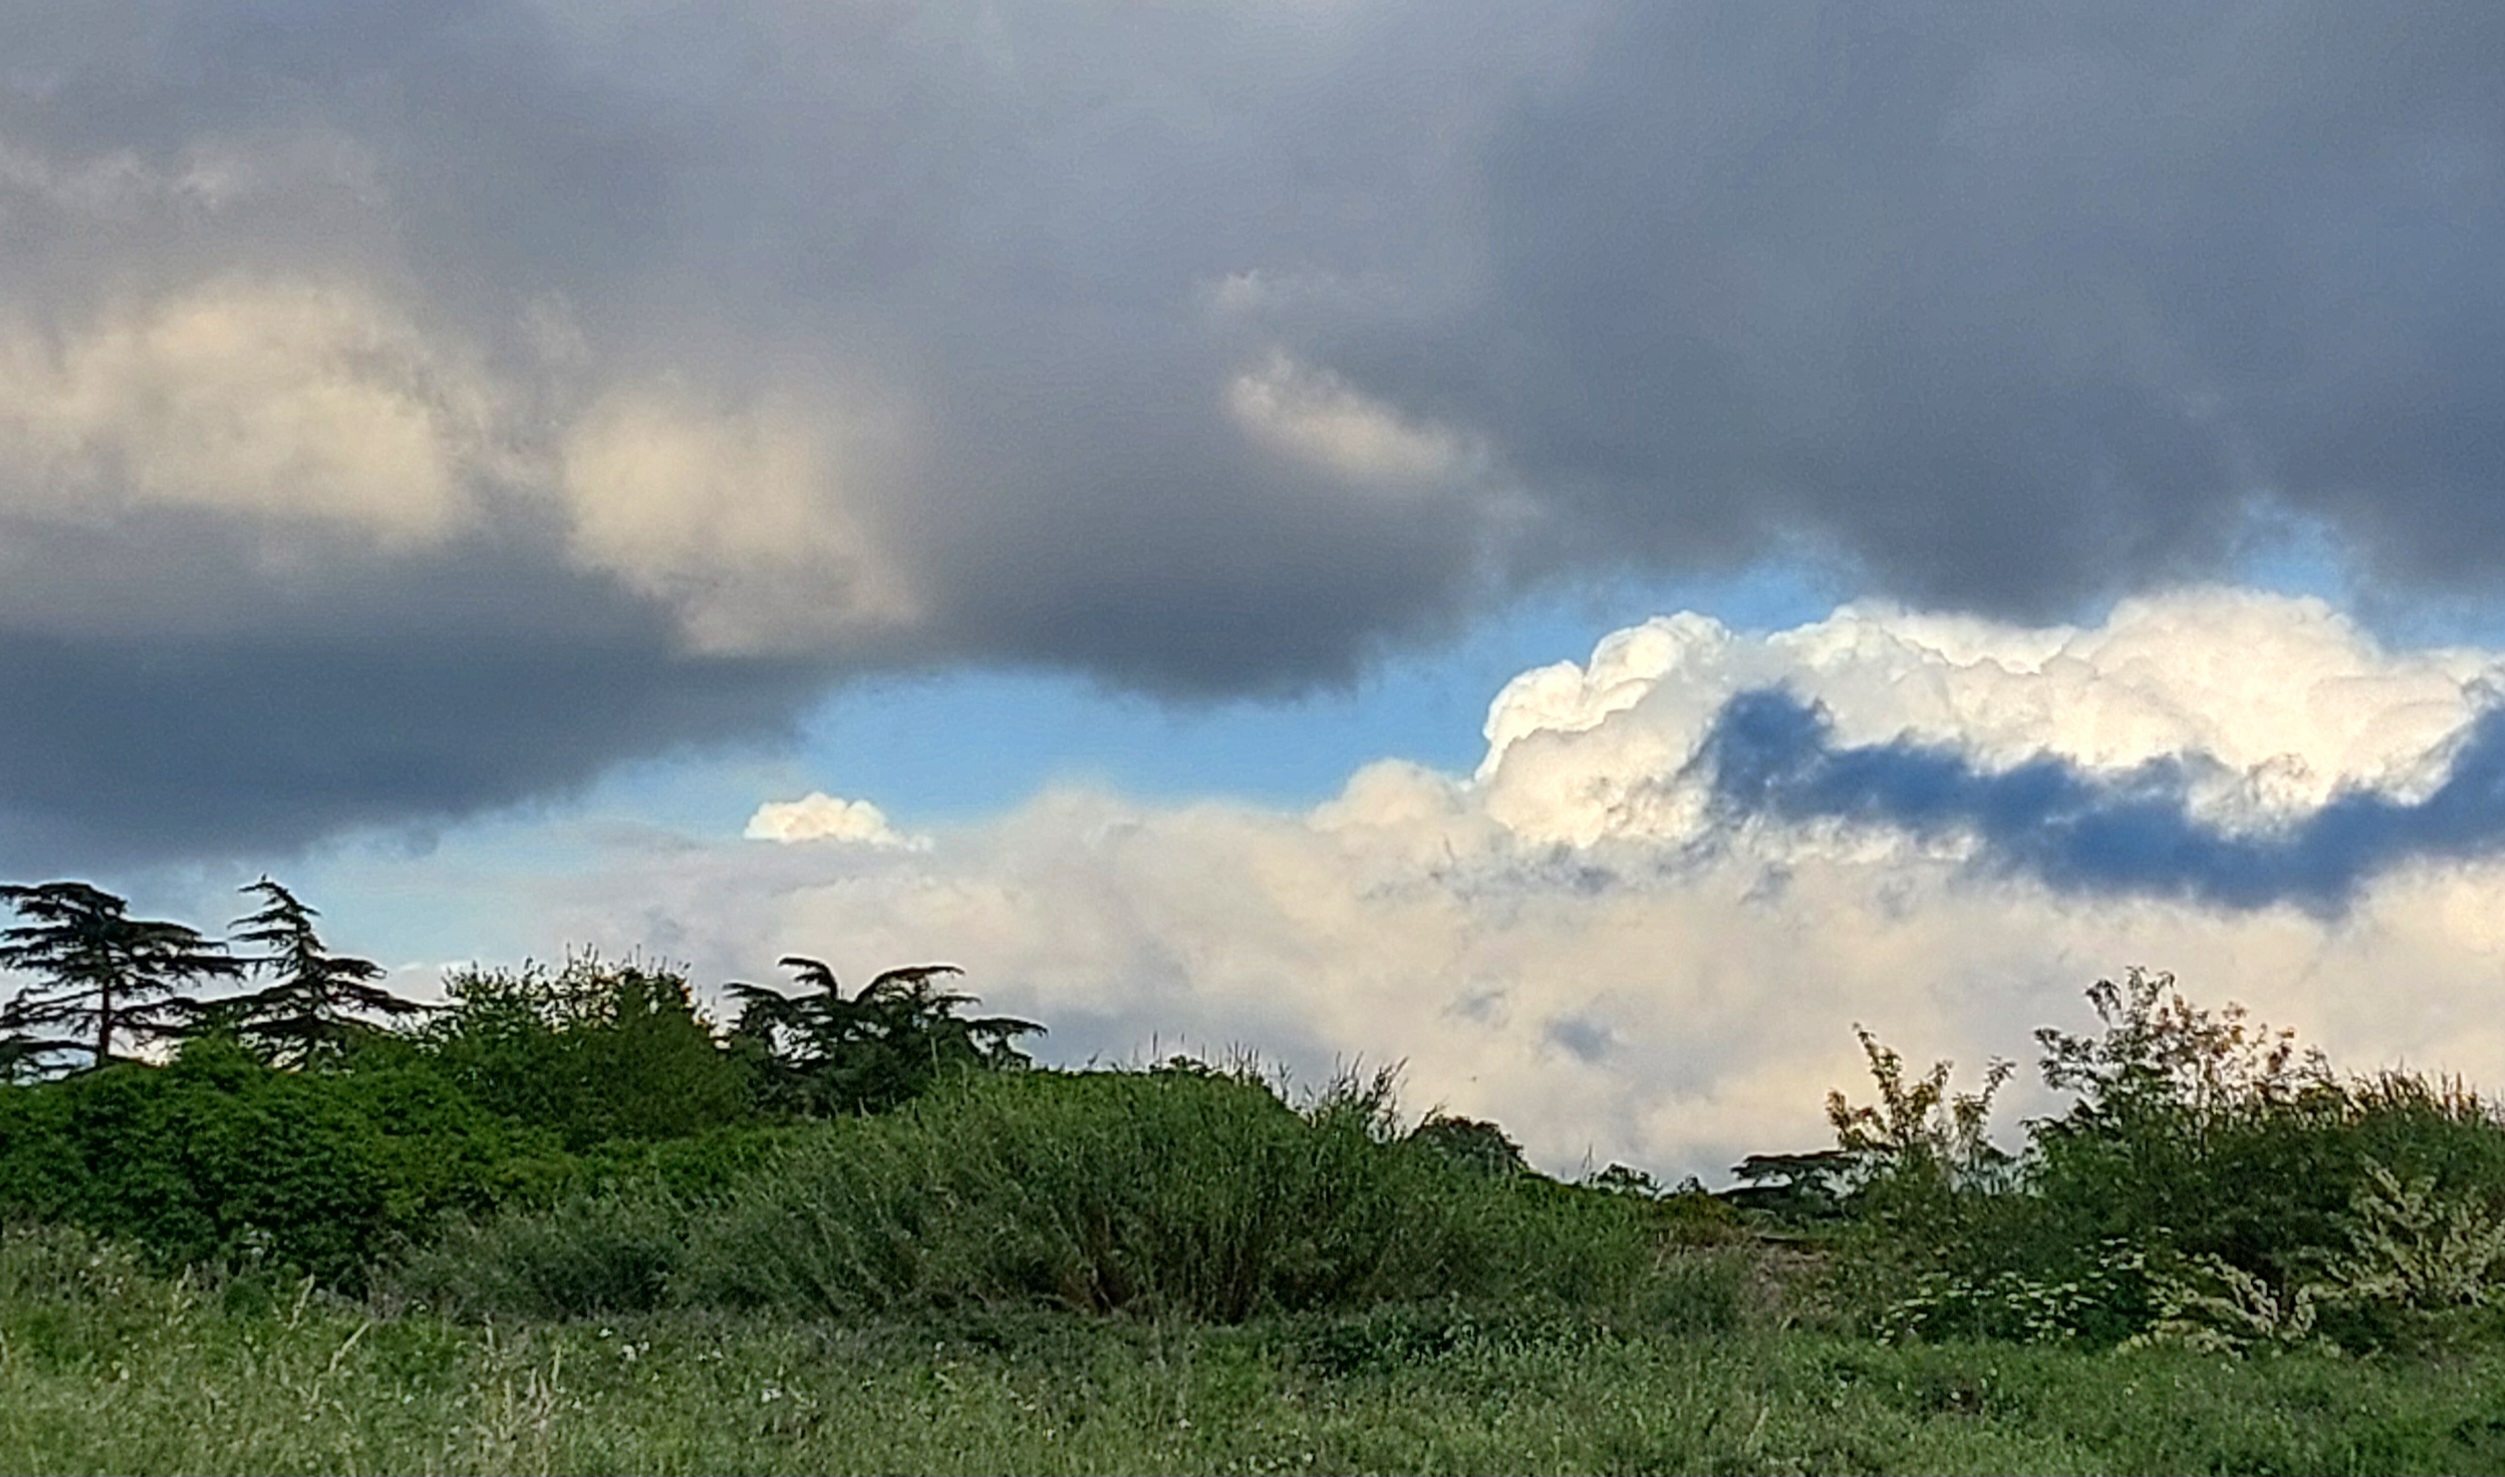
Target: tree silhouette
[(104, 974), (793, 1041), (818, 1052), (310, 1011)]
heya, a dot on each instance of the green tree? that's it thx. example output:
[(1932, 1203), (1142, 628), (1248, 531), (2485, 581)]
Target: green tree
[(312, 1009), (592, 1050), (2161, 1056), (818, 1052), (104, 975), (216, 1157)]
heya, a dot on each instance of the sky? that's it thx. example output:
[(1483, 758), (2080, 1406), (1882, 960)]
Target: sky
[(1585, 549)]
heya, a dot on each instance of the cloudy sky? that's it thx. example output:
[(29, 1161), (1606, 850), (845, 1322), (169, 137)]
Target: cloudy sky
[(1584, 547)]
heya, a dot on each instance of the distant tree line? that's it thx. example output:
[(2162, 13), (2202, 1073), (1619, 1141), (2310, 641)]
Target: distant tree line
[(109, 987)]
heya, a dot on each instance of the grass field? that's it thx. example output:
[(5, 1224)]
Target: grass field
[(106, 1368)]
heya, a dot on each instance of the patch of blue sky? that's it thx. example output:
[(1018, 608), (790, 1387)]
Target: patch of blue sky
[(952, 747), (2294, 555)]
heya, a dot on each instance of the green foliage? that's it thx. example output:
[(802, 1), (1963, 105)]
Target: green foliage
[(2213, 1306), (1472, 1143), (1398, 1338), (591, 1253), (217, 1158), (2418, 1253), (820, 1054), (1796, 1187), (558, 1088), (576, 1142), (2197, 1131), (2423, 1270), (1684, 1215), (1953, 1298), (611, 1237), (590, 1051), (1920, 1140), (1203, 1196), (108, 1368), (1303, 1285), (2159, 1056)]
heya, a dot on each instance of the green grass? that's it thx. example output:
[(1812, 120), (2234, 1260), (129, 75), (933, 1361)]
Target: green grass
[(105, 1368)]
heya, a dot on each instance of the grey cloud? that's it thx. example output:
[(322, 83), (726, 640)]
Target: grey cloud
[(1584, 1039), (2011, 307), (265, 739), (2005, 309)]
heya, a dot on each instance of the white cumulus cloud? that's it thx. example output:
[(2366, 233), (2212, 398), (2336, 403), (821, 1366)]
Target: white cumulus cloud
[(818, 816), (2291, 699)]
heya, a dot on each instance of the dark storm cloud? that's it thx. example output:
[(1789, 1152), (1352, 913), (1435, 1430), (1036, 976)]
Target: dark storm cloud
[(2005, 306), (1771, 754), (2010, 304)]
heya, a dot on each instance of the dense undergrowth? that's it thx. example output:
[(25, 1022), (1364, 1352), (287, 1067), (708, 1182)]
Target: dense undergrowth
[(217, 1157), (581, 1142)]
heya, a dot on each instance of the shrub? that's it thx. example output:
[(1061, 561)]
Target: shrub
[(606, 1234), (1203, 1196), (590, 1253), (1473, 1143)]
